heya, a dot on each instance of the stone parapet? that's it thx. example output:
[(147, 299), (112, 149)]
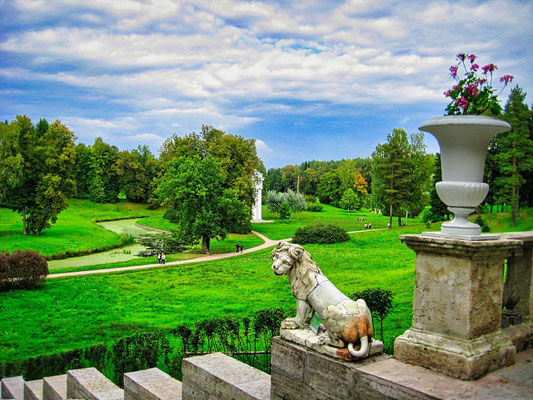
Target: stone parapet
[(13, 388), (33, 390), (218, 376), (151, 384), (55, 387), (91, 384)]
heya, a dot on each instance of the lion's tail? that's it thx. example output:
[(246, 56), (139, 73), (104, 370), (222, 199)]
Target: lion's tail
[(362, 351)]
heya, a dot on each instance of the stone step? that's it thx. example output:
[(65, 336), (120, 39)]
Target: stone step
[(89, 383), (151, 384), (13, 388), (218, 376), (55, 387), (33, 390)]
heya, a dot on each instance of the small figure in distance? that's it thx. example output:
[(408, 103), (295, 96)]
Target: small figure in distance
[(370, 225), (388, 225), (366, 226), (163, 258), (242, 247), (159, 258), (237, 246)]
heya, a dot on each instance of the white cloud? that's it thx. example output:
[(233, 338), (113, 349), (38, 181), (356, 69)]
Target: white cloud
[(262, 146)]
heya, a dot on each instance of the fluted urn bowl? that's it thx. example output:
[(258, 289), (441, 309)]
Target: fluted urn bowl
[(463, 141)]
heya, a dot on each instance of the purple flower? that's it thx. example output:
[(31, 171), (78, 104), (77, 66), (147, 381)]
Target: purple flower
[(481, 81), (489, 68), (472, 58), (453, 71), (447, 93), (462, 103), (474, 67), (455, 87), (461, 56), (506, 79)]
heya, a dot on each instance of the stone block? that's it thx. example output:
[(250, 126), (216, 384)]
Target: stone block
[(151, 384), (384, 377), (13, 388), (89, 383), (520, 335), (33, 390), (218, 376), (55, 387)]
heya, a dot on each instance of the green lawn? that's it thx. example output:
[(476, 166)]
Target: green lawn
[(283, 229), (74, 231), (76, 312)]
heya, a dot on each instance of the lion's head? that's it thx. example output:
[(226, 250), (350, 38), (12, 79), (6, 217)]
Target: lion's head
[(293, 261)]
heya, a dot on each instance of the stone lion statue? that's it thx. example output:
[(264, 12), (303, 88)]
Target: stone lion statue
[(347, 322)]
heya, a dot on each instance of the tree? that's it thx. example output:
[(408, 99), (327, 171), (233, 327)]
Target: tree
[(37, 169), (136, 171), (515, 154), (438, 211), (420, 170), (390, 172), (82, 170), (193, 186), (349, 200), (104, 177), (379, 301), (328, 190)]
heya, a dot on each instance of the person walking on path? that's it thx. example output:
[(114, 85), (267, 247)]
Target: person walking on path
[(242, 247), (238, 246), (163, 258), (159, 258)]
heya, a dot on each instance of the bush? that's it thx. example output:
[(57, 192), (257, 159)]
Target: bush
[(171, 214), (285, 211), (379, 301), (5, 279), (485, 228), (310, 198), (314, 207), (27, 269), (320, 234)]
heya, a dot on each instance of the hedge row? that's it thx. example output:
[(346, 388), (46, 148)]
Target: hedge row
[(320, 234), (22, 269)]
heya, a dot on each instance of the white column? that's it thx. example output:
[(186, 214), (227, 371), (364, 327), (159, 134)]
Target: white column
[(258, 201)]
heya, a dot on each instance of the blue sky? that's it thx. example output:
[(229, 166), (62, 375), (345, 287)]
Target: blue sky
[(308, 80)]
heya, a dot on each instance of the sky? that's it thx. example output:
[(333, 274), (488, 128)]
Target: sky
[(307, 79)]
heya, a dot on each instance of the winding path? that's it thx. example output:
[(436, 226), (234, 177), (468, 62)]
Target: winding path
[(267, 243)]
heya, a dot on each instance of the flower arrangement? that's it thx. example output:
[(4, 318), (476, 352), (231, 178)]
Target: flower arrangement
[(472, 94)]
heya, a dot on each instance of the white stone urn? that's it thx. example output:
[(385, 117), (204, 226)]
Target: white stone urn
[(463, 141)]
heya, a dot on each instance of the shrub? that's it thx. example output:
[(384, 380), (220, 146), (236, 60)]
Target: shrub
[(320, 234), (285, 211), (171, 214), (379, 301), (27, 269), (485, 228), (314, 207), (311, 198), (5, 279)]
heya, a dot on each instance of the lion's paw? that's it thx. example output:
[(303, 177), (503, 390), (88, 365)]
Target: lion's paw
[(289, 323)]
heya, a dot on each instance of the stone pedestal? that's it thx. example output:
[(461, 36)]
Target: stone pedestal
[(457, 307)]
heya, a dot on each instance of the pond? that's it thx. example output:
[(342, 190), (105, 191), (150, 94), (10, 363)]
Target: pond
[(126, 253)]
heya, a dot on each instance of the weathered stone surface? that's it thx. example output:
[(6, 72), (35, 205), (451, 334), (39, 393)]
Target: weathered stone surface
[(457, 306), (33, 390), (13, 388), (151, 384), (55, 387), (384, 377), (217, 376), (464, 359), (519, 279), (89, 383), (520, 335), (306, 338)]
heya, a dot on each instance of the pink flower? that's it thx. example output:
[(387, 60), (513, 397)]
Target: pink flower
[(453, 71), (474, 67), (471, 90), (455, 87), (462, 103), (506, 79), (481, 81), (472, 57), (489, 68), (461, 56), (447, 93)]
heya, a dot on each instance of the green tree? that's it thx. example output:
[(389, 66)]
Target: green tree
[(105, 182), (329, 186), (39, 180), (391, 174), (515, 155), (438, 211), (193, 186), (420, 171), (82, 170), (349, 200), (136, 171)]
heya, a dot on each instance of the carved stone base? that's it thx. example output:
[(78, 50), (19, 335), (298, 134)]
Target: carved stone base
[(306, 338), (464, 359)]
